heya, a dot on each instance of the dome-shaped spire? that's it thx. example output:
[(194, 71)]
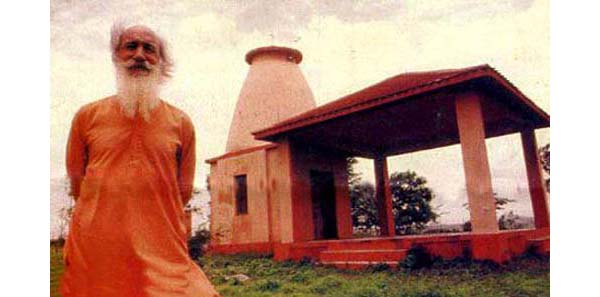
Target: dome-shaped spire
[(274, 90)]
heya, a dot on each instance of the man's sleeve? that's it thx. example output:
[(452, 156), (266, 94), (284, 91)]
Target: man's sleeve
[(76, 158), (187, 161)]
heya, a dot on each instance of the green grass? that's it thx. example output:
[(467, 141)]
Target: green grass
[(56, 269), (527, 276)]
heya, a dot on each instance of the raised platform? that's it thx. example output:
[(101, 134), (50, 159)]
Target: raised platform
[(354, 259), (361, 252), (541, 245)]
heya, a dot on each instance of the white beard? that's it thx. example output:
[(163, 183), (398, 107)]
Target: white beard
[(137, 94)]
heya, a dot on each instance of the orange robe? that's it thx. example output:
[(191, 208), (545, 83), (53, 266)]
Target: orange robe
[(132, 179)]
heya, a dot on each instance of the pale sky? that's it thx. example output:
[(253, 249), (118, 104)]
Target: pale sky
[(347, 45)]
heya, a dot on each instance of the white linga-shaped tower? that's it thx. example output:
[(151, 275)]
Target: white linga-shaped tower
[(274, 90)]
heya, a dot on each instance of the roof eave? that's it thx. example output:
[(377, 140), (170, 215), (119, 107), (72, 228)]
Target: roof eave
[(482, 71)]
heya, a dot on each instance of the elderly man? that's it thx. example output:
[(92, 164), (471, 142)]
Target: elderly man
[(131, 159)]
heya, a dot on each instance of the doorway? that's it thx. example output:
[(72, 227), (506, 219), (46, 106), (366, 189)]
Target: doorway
[(322, 189)]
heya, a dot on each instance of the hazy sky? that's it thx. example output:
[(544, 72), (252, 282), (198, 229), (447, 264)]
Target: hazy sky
[(347, 45)]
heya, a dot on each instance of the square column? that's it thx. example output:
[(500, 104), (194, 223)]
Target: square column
[(539, 199), (471, 131), (383, 196)]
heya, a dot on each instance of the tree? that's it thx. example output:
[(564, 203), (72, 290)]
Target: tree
[(500, 202), (509, 221), (353, 177), (544, 153), (201, 235), (411, 202), (196, 208), (362, 199), (64, 220), (363, 207)]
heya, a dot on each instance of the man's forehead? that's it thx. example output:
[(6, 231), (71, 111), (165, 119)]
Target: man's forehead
[(139, 33)]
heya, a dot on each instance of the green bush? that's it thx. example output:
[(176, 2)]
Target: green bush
[(307, 261), (467, 227), (59, 242), (532, 251), (417, 257), (197, 242)]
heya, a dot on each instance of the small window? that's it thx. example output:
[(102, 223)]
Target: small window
[(241, 195)]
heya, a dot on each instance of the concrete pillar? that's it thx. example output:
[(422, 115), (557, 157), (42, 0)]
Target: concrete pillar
[(539, 200), (477, 170), (342, 198), (383, 196)]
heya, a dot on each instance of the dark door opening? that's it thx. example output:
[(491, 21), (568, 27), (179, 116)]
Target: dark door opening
[(323, 202)]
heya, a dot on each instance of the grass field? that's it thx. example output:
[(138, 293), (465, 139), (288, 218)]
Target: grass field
[(56, 269), (526, 276)]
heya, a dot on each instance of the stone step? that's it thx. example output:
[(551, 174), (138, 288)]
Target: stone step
[(357, 265), (379, 255), (366, 244)]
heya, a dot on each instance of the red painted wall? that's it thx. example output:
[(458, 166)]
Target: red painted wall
[(227, 227), (305, 159), (279, 195)]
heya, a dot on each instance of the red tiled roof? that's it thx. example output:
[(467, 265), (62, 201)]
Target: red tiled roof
[(393, 89)]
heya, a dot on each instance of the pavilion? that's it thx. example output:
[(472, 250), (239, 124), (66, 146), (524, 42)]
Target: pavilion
[(301, 174)]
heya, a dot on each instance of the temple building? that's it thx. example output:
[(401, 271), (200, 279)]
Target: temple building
[(281, 186)]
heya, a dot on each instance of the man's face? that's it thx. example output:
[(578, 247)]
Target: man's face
[(139, 49)]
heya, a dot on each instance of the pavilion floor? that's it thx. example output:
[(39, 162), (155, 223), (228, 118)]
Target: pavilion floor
[(361, 252)]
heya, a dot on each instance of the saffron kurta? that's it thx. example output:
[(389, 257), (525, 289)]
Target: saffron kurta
[(132, 179)]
